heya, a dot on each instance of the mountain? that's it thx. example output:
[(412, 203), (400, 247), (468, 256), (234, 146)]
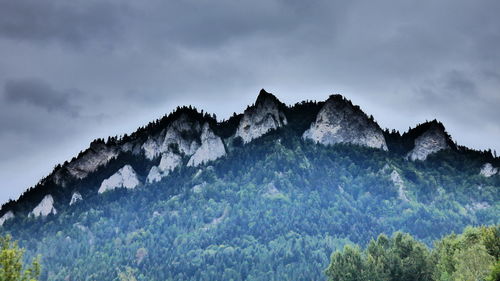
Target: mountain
[(268, 194)]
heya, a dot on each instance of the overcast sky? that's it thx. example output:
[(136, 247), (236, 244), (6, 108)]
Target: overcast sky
[(72, 71)]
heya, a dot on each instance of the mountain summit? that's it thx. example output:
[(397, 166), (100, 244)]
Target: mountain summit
[(265, 115), (339, 121)]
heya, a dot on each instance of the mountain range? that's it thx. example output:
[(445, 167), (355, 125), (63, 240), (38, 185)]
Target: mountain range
[(267, 194)]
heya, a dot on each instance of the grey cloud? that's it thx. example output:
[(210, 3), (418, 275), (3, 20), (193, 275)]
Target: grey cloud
[(452, 85), (457, 82), (71, 22), (192, 24), (40, 94)]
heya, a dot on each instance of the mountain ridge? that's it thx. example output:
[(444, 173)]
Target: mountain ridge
[(274, 208), (100, 152)]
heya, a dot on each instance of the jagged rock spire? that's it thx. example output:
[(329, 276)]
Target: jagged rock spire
[(265, 115)]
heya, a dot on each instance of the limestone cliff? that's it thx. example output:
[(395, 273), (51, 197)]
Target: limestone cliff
[(339, 121), (211, 148), (432, 140), (265, 115), (169, 161), (45, 207), (125, 177)]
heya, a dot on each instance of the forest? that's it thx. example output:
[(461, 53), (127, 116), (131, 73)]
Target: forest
[(273, 209), (472, 255)]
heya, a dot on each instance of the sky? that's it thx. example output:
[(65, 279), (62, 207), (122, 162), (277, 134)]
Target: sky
[(73, 71)]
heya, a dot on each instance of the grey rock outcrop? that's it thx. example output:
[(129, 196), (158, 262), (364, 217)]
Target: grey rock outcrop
[(434, 139), (487, 170), (125, 177), (399, 183), (154, 175), (169, 161), (7, 216), (265, 115), (339, 121), (87, 162), (45, 207), (181, 134), (211, 148), (75, 197)]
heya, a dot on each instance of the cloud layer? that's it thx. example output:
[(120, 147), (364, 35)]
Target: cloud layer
[(76, 70)]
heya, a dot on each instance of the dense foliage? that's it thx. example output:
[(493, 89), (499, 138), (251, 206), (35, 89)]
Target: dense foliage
[(473, 255), (273, 209), (11, 263)]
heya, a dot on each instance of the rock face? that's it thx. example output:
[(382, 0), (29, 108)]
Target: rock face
[(211, 148), (169, 161), (431, 141), (75, 198), (261, 118), (154, 175), (152, 147), (45, 207), (125, 177), (339, 121), (182, 135), (97, 155), (7, 216), (180, 138), (399, 183), (487, 170)]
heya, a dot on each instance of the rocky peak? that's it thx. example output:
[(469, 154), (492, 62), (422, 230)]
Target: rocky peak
[(45, 207), (265, 115), (125, 177), (487, 170), (432, 139), (211, 147), (339, 121), (265, 97)]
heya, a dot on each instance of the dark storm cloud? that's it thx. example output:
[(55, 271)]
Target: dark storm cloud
[(133, 61), (38, 93)]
